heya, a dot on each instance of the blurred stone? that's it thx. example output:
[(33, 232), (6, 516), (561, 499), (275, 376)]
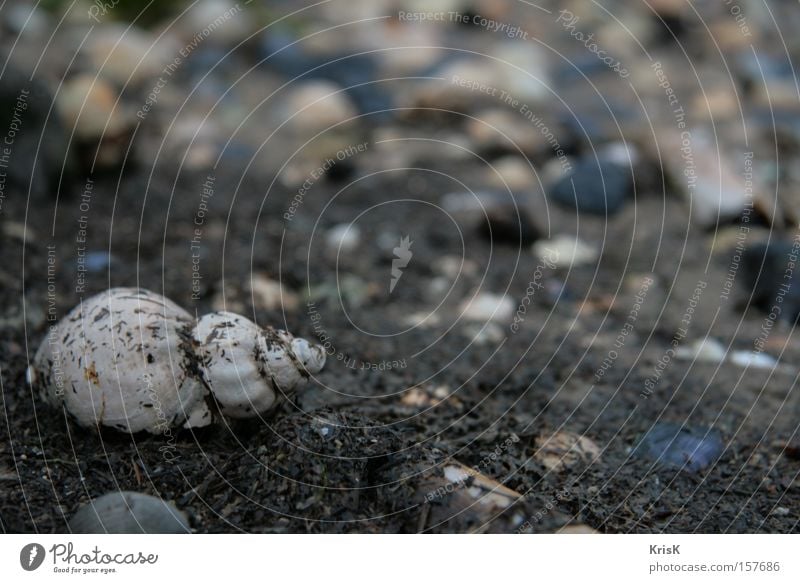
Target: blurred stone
[(35, 140), (486, 334), (748, 359), (676, 446), (577, 528), (23, 18), (358, 75), (713, 184), (706, 350), (270, 295), (129, 513), (487, 307), (232, 24), (595, 187), (716, 103), (769, 279), (523, 71), (317, 106), (454, 266), (343, 238), (564, 449), (90, 107), (412, 47), (128, 55), (422, 319), (512, 173), (566, 252), (503, 130), (97, 261), (518, 69), (503, 218)]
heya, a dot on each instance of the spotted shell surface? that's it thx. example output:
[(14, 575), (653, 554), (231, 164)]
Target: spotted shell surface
[(123, 359), (249, 369), (228, 345)]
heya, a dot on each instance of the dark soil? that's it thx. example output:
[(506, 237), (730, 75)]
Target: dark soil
[(281, 475), (355, 452)]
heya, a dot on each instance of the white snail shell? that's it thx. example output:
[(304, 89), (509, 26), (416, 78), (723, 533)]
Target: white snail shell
[(248, 368), (135, 361), (123, 359)]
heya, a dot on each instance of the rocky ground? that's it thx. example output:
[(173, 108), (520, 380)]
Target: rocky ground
[(549, 250)]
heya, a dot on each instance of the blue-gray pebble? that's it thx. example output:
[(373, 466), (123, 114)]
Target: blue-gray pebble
[(673, 445), (599, 187)]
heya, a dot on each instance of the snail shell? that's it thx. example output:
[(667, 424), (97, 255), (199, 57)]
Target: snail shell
[(123, 359), (135, 361), (247, 368)]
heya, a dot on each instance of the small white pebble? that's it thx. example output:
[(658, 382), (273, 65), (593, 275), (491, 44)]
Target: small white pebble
[(707, 350), (566, 251), (487, 307), (752, 359), (441, 392), (624, 154), (484, 334), (343, 238), (424, 319)]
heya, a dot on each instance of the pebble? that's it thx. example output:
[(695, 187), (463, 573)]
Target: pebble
[(484, 334), (555, 170), (343, 238), (718, 191), (502, 218), (564, 449), (711, 350), (422, 51), (487, 307), (358, 74), (595, 187), (129, 513), (511, 173), (706, 350), (519, 69), (624, 154), (127, 55), (455, 266), (748, 359), (227, 31), (577, 529), (522, 69), (566, 252), (14, 318), (315, 106), (25, 19), (673, 445), (40, 148), (351, 290), (422, 319), (89, 107), (269, 294), (97, 261), (767, 283), (509, 225), (498, 129)]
